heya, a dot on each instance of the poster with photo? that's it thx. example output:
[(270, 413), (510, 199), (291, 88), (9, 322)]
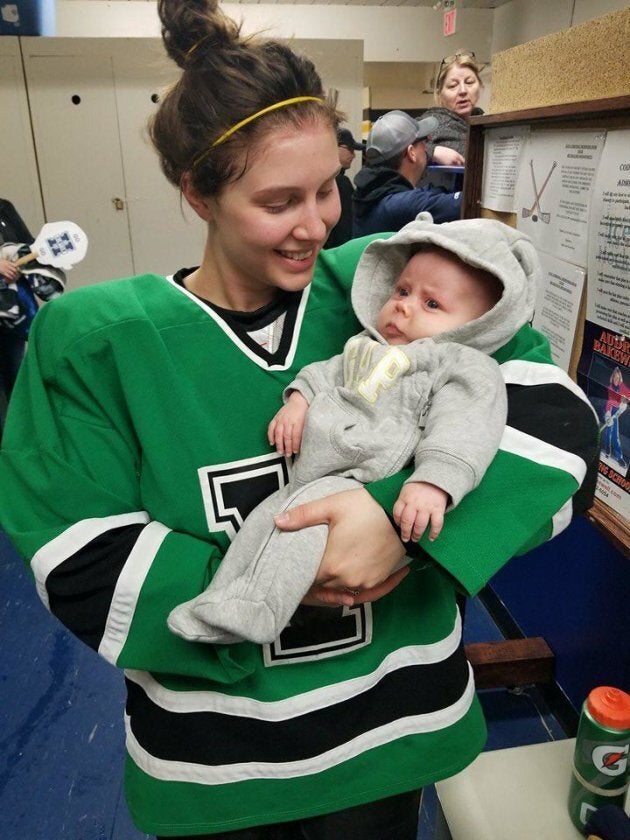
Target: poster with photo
[(604, 375), (604, 365)]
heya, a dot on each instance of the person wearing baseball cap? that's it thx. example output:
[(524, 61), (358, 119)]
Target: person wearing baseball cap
[(387, 196), (348, 146)]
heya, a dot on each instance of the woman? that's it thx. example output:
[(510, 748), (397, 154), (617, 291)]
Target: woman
[(457, 89), (152, 397), (618, 395)]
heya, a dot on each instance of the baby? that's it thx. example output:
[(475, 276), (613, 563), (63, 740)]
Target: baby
[(418, 384)]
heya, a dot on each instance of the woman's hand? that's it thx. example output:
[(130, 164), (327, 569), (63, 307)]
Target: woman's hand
[(443, 156), (9, 271), (362, 550)]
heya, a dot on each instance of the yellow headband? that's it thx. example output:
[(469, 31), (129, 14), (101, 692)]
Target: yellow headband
[(261, 113)]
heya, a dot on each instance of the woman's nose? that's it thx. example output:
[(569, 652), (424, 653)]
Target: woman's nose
[(311, 225)]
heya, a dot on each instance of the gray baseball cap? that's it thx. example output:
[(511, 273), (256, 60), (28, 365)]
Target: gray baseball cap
[(393, 132)]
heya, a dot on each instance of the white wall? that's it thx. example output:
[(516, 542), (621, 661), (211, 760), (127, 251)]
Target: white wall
[(389, 33)]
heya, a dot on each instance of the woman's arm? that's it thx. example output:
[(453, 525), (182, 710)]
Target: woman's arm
[(71, 501), (543, 473), (363, 549)]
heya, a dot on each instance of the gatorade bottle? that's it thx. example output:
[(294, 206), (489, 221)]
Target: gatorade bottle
[(601, 770)]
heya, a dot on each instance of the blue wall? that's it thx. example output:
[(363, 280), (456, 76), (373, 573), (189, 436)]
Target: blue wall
[(574, 591)]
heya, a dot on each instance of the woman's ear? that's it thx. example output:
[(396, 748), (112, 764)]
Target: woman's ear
[(199, 203)]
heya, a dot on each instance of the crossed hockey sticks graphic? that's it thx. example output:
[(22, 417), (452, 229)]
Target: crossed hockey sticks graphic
[(526, 212)]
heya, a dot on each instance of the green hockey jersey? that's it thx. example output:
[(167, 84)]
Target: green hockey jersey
[(134, 447)]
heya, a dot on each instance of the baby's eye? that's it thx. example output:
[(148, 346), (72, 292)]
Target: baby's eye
[(401, 292), (432, 304)]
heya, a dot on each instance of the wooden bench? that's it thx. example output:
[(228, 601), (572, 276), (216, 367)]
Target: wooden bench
[(511, 663)]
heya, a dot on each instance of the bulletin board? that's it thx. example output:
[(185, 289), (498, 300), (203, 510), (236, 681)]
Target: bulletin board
[(566, 161)]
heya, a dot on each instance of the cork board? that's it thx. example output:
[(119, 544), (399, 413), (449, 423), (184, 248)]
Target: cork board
[(589, 61)]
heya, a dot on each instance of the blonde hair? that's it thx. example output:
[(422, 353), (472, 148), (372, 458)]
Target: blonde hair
[(461, 58)]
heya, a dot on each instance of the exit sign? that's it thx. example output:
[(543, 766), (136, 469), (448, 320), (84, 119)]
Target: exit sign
[(449, 22)]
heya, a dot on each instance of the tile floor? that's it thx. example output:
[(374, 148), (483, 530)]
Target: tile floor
[(61, 738)]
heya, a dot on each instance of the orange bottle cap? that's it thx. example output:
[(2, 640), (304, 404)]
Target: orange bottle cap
[(610, 707)]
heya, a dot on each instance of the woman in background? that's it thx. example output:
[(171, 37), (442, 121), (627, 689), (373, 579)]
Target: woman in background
[(457, 89)]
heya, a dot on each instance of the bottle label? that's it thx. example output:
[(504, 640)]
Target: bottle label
[(611, 759)]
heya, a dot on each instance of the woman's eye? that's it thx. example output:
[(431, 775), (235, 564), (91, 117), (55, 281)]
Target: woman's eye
[(277, 208)]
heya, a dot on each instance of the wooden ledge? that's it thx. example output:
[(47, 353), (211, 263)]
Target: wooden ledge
[(512, 662)]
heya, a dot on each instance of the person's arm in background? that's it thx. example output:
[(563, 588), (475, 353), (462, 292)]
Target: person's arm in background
[(444, 156), (396, 210), (9, 272)]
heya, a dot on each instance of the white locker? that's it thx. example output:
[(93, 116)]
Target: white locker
[(75, 124), (19, 182)]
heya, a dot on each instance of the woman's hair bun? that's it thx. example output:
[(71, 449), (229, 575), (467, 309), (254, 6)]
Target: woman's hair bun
[(189, 24)]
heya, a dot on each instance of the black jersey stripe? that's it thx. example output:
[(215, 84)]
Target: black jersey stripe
[(80, 589), (212, 738), (542, 411)]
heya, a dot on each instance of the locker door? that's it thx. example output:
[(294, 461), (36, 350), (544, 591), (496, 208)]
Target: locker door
[(18, 171), (165, 233), (78, 146)]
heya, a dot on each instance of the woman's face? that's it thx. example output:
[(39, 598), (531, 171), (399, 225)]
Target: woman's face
[(267, 227), (460, 90)]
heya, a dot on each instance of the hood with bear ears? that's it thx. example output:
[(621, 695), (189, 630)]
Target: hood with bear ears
[(484, 243)]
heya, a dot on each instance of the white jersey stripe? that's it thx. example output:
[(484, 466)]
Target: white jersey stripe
[(301, 704), (73, 539), (562, 519), (229, 773), (534, 449), (128, 588)]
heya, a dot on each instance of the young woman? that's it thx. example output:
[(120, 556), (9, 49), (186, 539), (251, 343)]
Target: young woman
[(136, 444)]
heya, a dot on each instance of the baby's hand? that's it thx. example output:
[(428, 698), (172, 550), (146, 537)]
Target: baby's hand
[(285, 430), (418, 504)]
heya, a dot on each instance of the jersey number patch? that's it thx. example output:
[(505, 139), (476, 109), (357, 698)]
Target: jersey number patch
[(231, 491)]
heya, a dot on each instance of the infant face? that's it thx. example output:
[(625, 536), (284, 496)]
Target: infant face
[(436, 292)]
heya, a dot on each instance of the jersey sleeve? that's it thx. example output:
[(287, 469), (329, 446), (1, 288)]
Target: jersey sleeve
[(543, 473), (464, 425), (71, 502)]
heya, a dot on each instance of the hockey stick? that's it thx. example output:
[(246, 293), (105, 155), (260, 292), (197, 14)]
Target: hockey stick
[(526, 212), (610, 419)]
